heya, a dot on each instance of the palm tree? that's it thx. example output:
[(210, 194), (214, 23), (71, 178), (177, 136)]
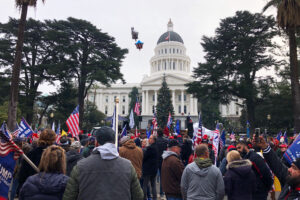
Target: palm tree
[(14, 86), (288, 18)]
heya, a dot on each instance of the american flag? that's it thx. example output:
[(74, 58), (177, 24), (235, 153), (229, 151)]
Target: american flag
[(73, 122), (168, 37), (216, 142), (222, 139), (154, 123), (137, 107), (198, 138), (169, 121), (7, 146), (16, 132), (232, 136)]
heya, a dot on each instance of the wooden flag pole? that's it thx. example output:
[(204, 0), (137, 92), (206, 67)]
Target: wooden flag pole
[(30, 163), (117, 121)]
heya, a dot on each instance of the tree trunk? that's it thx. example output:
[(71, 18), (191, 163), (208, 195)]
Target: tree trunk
[(81, 89), (14, 86), (294, 77)]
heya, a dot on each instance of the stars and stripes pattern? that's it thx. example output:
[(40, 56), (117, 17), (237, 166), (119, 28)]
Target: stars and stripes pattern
[(7, 146), (198, 138), (216, 141), (169, 121), (16, 132), (154, 123), (222, 139), (73, 122), (137, 107)]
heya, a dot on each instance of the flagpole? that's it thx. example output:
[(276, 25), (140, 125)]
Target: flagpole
[(116, 120), (30, 163)]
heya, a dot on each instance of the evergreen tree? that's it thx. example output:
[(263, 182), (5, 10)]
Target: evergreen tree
[(164, 104), (133, 95), (234, 55)]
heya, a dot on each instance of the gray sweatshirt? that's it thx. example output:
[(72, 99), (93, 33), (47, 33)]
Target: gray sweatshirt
[(202, 180)]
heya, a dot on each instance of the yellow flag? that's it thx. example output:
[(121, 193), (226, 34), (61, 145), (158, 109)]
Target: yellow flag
[(63, 133)]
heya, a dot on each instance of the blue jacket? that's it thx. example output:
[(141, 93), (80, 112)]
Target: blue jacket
[(45, 186)]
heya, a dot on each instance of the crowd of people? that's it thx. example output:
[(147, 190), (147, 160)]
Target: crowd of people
[(158, 167)]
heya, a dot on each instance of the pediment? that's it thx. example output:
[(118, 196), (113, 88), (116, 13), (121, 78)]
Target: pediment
[(170, 78)]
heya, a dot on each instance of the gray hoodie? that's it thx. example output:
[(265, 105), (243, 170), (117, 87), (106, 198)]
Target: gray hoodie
[(202, 180)]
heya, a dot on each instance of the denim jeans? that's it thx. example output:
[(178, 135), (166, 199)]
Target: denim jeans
[(146, 180)]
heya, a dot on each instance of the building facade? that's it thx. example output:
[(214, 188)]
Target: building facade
[(169, 60)]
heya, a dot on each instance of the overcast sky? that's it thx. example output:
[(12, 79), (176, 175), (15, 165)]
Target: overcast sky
[(192, 20)]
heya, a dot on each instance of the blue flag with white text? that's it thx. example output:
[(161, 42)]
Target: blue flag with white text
[(293, 152), (25, 130)]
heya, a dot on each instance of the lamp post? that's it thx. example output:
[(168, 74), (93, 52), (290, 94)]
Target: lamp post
[(51, 117), (269, 120)]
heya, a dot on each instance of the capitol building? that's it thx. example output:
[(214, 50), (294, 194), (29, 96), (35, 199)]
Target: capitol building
[(170, 60)]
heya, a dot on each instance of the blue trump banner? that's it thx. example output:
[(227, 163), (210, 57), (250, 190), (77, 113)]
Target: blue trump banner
[(24, 129), (9, 153), (293, 151)]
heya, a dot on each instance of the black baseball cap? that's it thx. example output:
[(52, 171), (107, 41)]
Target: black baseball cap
[(173, 143)]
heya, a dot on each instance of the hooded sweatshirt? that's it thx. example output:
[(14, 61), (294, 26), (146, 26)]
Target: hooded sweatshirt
[(171, 172), (202, 180)]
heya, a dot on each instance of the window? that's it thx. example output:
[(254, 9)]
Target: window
[(237, 110), (106, 110), (170, 65), (165, 50), (179, 109), (181, 66), (159, 67), (184, 108), (170, 51), (173, 65), (124, 99), (184, 97), (106, 99), (173, 50), (177, 51), (227, 109), (153, 109), (123, 110), (165, 65), (179, 97), (153, 97)]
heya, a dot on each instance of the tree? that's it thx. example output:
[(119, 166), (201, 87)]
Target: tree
[(39, 59), (288, 18), (89, 56), (133, 95), (233, 57), (164, 104), (92, 117), (14, 89)]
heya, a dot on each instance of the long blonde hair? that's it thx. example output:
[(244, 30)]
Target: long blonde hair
[(53, 160)]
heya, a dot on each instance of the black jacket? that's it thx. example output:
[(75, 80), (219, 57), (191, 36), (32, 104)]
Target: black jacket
[(240, 180), (186, 151), (150, 158), (162, 144), (44, 186), (72, 158), (281, 171), (26, 170), (264, 179)]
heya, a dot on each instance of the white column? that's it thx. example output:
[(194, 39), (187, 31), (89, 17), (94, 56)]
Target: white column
[(191, 104), (195, 105), (147, 102), (173, 98), (182, 101), (126, 104), (143, 103), (100, 105), (155, 97)]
